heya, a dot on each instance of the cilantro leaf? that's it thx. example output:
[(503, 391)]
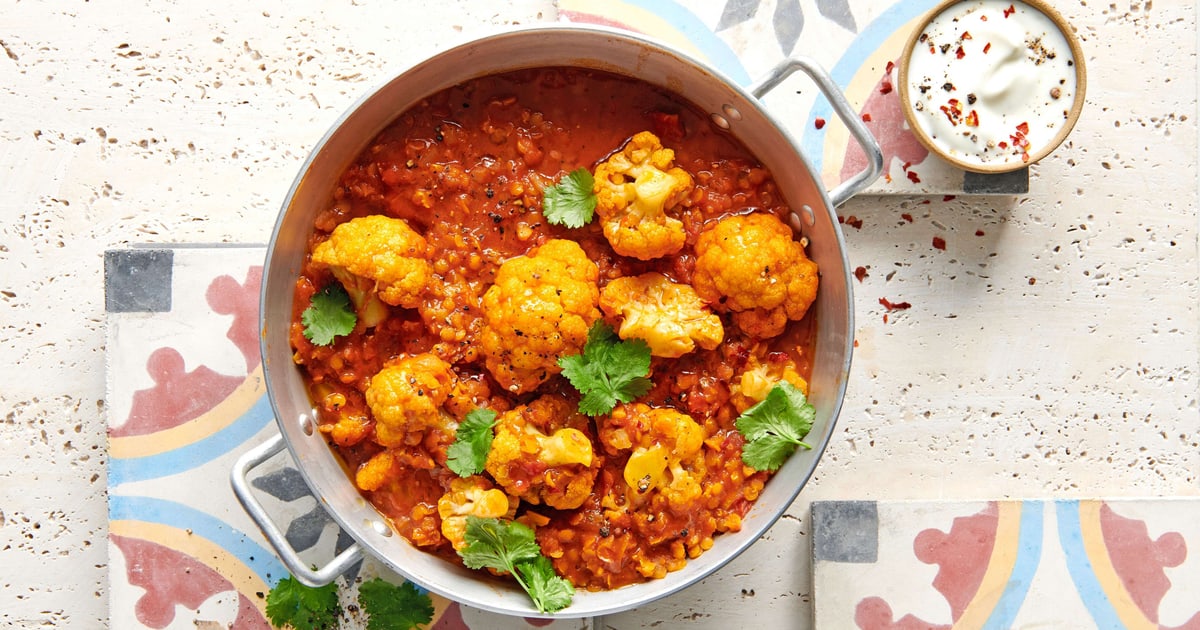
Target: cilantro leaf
[(496, 544), (608, 371), (302, 607), (512, 547), (328, 315), (775, 427), (571, 201), (392, 607), (467, 455), (549, 591)]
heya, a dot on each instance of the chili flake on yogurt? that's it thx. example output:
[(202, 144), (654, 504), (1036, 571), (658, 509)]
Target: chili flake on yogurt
[(992, 82)]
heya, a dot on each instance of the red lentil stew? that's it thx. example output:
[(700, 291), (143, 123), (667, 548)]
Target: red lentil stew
[(467, 298)]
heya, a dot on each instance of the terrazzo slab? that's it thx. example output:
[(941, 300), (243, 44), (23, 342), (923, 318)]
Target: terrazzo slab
[(1124, 563), (186, 398), (859, 42)]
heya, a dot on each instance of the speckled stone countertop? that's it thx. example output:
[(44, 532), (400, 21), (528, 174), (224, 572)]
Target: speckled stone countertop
[(1051, 348)]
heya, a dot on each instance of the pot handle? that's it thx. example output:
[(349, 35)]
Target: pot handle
[(301, 571), (843, 109)]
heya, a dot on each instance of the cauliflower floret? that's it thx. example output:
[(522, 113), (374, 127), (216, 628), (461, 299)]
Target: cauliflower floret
[(669, 317), (376, 258), (541, 454), (406, 397), (539, 309), (751, 265), (760, 376), (664, 448), (634, 190), (473, 496), (373, 473)]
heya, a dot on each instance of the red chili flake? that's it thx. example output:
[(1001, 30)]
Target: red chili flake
[(854, 222), (855, 343), (894, 306), (939, 243), (906, 165), (890, 66), (983, 18), (1002, 145), (820, 123), (1009, 11), (885, 318), (1032, 281), (912, 177), (967, 35), (960, 53), (926, 202), (953, 110), (978, 232), (866, 117), (860, 273), (972, 119), (987, 47), (949, 198), (887, 177), (907, 217), (1023, 128), (885, 87)]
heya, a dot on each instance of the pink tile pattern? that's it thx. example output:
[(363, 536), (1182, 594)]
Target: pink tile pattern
[(1002, 564), (186, 397)]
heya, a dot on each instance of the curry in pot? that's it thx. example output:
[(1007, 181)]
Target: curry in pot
[(591, 276)]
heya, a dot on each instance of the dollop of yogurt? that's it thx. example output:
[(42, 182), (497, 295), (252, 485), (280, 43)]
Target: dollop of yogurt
[(991, 81)]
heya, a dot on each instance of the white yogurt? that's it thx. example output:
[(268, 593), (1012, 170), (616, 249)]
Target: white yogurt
[(992, 81)]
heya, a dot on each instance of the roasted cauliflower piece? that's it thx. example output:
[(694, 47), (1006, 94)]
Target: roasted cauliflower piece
[(664, 447), (761, 375), (378, 259), (669, 317), (542, 454), (473, 496), (373, 473), (406, 398), (635, 189), (750, 265), (539, 309)]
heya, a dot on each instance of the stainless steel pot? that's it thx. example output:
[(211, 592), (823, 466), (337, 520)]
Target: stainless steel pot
[(623, 53)]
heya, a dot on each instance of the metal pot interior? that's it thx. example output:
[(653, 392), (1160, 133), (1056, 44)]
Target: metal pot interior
[(548, 46)]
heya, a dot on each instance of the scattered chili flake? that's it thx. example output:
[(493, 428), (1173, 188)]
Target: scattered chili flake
[(890, 66), (866, 117), (855, 343), (819, 123), (967, 35), (1023, 128), (987, 47), (972, 119), (926, 202), (1002, 144), (978, 232), (885, 87), (885, 318), (960, 53), (939, 243), (1032, 281), (949, 198), (854, 222), (894, 306), (912, 177), (860, 273), (907, 217), (1009, 11)]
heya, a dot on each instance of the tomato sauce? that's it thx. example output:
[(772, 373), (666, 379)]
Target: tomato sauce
[(466, 168)]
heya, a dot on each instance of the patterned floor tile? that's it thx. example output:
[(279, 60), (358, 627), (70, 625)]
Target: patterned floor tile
[(1007, 564)]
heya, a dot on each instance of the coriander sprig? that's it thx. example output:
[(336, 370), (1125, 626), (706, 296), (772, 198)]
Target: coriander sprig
[(608, 371), (775, 427), (468, 454), (510, 546), (571, 201), (329, 315)]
